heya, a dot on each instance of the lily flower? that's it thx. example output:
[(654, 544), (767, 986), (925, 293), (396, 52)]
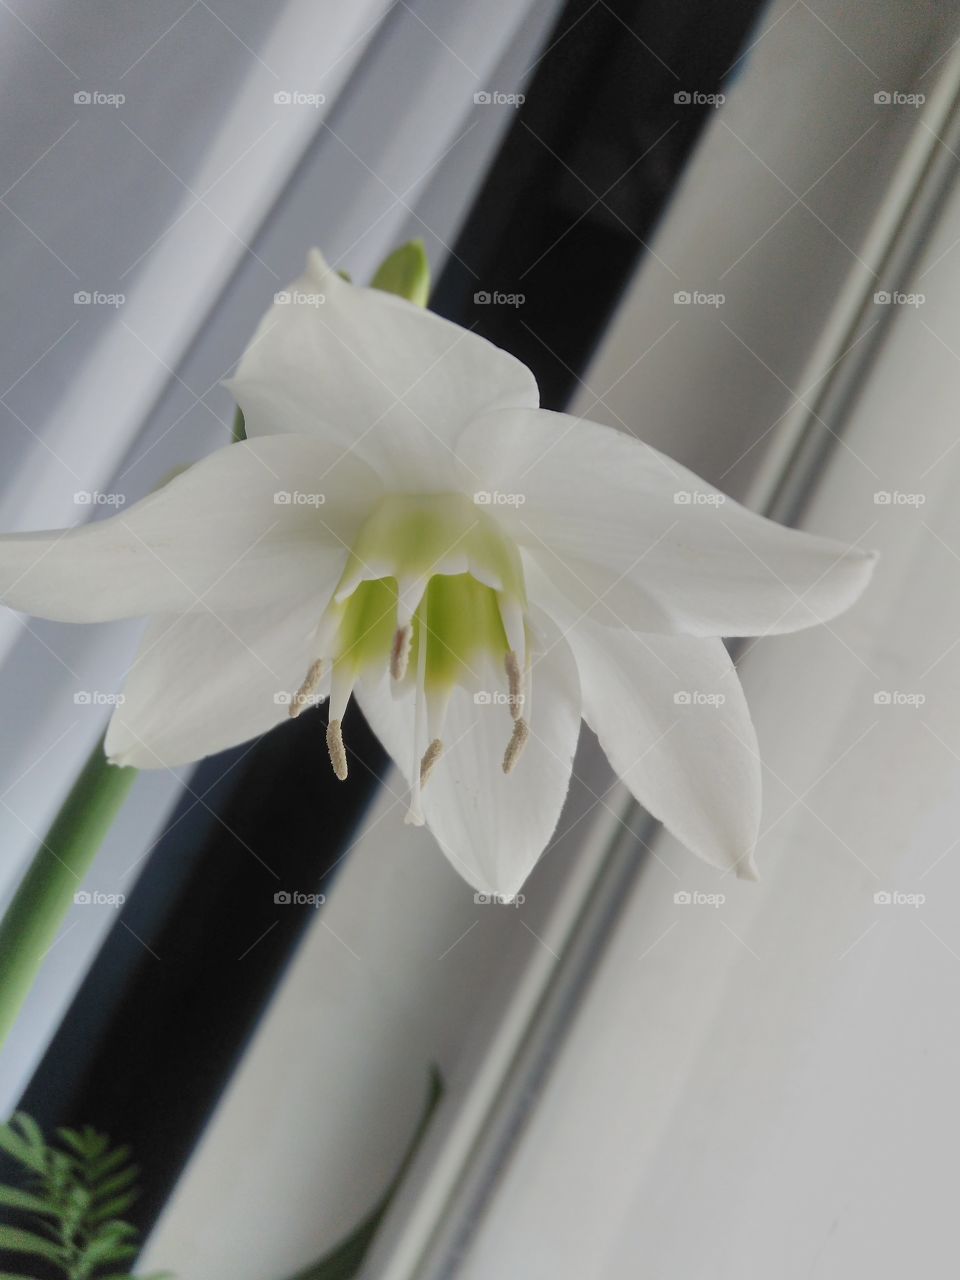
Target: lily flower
[(405, 526)]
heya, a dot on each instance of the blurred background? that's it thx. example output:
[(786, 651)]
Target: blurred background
[(734, 232)]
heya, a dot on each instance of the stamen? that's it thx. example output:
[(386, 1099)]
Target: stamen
[(514, 625), (410, 591), (338, 752), (429, 761), (414, 814), (311, 683), (518, 740), (400, 654), (515, 677)]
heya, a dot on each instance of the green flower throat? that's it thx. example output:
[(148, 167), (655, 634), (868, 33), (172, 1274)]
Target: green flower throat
[(433, 593)]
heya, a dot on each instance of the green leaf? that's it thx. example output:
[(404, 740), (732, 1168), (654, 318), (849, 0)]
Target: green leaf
[(73, 1140), (113, 1208), (82, 1189), (115, 1230), (87, 1144), (406, 273), (108, 1250), (107, 1164), (30, 1130), (14, 1198), (14, 1145), (97, 1143), (239, 426), (19, 1241), (119, 1182)]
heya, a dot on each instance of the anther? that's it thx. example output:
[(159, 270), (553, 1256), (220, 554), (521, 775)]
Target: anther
[(309, 687), (518, 740), (515, 678), (400, 653), (429, 761), (338, 753)]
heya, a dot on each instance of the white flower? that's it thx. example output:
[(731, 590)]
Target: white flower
[(406, 526)]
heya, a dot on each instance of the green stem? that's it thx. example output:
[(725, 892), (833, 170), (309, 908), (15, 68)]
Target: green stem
[(29, 927)]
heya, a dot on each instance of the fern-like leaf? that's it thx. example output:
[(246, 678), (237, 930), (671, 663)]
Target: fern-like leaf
[(20, 1149), (14, 1198), (18, 1240), (72, 1201)]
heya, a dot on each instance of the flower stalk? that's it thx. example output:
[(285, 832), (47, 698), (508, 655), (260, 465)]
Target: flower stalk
[(29, 927)]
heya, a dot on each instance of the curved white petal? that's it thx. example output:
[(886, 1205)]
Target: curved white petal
[(243, 526), (378, 374), (670, 713), (203, 682), (492, 826), (639, 541)]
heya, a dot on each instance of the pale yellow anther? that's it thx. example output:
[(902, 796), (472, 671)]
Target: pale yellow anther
[(515, 678), (338, 752), (518, 740), (400, 653), (429, 761), (304, 695)]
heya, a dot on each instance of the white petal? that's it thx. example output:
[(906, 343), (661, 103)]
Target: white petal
[(219, 536), (671, 715), (641, 542), (378, 374), (492, 826), (202, 683)]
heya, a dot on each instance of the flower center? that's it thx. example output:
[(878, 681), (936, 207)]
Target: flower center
[(432, 592)]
